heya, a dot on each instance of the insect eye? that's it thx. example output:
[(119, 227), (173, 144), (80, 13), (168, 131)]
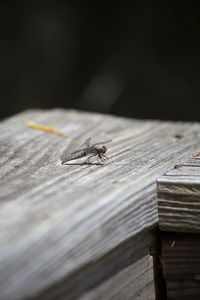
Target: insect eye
[(103, 149)]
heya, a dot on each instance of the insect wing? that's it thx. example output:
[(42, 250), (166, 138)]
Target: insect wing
[(83, 146), (101, 143), (86, 144)]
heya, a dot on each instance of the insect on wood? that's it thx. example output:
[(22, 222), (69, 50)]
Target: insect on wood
[(87, 149)]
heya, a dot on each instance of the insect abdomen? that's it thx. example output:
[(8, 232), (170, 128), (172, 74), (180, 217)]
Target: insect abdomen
[(79, 154)]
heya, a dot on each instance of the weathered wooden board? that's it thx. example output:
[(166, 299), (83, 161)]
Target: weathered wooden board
[(134, 282), (57, 219), (179, 198), (181, 265), (125, 272)]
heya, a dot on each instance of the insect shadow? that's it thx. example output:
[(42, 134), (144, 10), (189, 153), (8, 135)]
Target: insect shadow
[(82, 164)]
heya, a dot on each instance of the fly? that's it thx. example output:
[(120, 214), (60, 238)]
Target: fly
[(88, 149)]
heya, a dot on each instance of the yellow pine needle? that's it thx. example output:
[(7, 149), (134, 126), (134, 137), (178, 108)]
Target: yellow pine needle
[(173, 244), (48, 128)]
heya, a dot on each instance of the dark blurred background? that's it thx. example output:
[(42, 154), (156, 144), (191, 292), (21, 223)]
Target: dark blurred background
[(129, 58)]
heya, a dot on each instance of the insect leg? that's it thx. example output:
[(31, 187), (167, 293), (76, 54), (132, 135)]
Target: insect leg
[(88, 159), (104, 157), (101, 157)]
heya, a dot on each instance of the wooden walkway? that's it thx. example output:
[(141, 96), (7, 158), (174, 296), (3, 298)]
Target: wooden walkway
[(91, 231)]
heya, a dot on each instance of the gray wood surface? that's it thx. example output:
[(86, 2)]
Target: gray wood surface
[(179, 197), (134, 282), (181, 265), (56, 219), (125, 272)]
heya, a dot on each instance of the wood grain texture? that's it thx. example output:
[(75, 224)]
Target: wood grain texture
[(126, 271), (56, 219), (181, 265), (179, 198), (134, 282)]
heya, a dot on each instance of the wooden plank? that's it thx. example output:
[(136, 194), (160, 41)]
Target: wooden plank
[(125, 272), (181, 265), (179, 198), (57, 219), (134, 282)]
